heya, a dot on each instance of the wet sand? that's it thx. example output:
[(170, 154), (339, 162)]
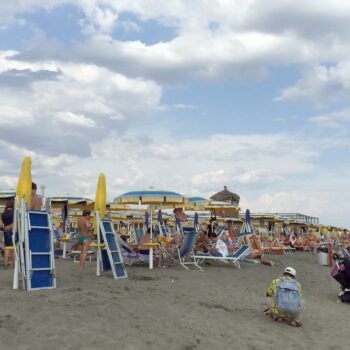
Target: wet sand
[(171, 308)]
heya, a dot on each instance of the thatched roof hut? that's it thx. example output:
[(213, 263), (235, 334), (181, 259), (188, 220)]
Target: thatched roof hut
[(226, 196)]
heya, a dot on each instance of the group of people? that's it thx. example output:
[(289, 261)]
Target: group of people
[(224, 244), (285, 291)]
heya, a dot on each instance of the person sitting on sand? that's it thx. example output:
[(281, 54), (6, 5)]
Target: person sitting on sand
[(286, 293), (219, 247)]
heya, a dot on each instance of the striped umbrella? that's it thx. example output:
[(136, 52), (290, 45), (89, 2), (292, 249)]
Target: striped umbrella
[(152, 197)]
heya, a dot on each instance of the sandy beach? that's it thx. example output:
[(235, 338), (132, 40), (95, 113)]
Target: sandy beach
[(170, 308)]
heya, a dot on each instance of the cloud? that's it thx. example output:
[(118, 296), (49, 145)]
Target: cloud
[(321, 85), (8, 182), (211, 177), (335, 119), (75, 119), (71, 103), (98, 19), (242, 38), (22, 78), (75, 108), (11, 117)]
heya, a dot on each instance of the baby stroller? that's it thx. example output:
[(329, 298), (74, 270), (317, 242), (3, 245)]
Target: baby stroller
[(341, 273)]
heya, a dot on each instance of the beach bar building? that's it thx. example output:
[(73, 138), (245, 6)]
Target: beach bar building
[(298, 223)]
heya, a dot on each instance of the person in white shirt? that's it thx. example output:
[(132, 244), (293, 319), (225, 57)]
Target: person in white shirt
[(219, 247)]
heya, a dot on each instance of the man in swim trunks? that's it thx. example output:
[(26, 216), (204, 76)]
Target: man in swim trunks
[(84, 236)]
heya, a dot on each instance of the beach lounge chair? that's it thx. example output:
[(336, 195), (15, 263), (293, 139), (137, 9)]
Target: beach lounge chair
[(163, 230), (220, 232), (239, 254), (90, 256), (185, 253), (130, 256)]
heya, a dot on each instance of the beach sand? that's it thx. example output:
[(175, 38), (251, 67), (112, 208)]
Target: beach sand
[(171, 308)]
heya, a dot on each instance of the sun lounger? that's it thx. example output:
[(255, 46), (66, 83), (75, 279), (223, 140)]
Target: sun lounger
[(130, 256), (163, 230), (279, 250), (185, 253), (90, 256), (239, 254)]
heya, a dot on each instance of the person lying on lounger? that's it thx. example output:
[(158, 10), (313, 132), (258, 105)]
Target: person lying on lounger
[(257, 251)]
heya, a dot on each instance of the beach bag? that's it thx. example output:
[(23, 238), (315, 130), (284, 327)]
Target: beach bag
[(287, 296)]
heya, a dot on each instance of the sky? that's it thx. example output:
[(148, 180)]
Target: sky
[(188, 96)]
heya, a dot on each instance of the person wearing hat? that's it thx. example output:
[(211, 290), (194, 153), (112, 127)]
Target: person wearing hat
[(7, 219), (278, 290)]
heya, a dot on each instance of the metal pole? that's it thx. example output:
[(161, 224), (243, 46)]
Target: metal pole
[(151, 248), (98, 251)]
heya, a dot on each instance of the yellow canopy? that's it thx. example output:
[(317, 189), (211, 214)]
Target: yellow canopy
[(24, 185)]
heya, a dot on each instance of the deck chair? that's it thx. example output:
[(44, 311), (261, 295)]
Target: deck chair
[(185, 253), (220, 232), (163, 230), (239, 254), (130, 256), (243, 238), (90, 256)]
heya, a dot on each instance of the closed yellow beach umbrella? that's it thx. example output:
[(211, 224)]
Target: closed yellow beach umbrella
[(24, 185), (100, 199)]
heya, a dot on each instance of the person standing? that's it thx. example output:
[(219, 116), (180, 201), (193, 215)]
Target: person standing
[(36, 201), (7, 219), (84, 236)]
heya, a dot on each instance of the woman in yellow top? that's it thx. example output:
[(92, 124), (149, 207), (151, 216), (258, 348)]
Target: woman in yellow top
[(289, 274)]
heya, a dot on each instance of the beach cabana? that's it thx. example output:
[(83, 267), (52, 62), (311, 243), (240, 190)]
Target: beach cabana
[(226, 196), (222, 209)]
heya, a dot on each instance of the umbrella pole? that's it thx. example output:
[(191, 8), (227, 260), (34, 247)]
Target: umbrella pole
[(151, 248), (98, 251)]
